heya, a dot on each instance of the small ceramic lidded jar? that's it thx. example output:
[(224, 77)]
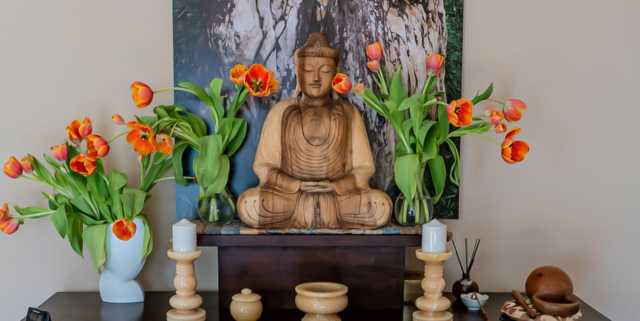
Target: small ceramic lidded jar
[(246, 306)]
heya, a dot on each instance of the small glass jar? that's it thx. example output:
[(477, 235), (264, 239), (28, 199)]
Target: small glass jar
[(218, 209)]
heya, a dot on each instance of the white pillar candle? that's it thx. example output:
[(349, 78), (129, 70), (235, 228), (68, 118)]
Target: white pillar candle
[(434, 237), (184, 236)]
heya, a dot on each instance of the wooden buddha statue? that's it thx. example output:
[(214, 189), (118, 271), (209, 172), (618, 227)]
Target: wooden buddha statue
[(313, 160)]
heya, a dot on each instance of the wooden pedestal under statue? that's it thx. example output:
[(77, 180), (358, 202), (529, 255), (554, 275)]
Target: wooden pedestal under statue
[(313, 160)]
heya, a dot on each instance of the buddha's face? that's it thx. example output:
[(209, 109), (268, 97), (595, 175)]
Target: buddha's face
[(315, 75)]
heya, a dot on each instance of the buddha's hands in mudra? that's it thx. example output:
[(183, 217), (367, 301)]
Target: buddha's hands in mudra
[(317, 187)]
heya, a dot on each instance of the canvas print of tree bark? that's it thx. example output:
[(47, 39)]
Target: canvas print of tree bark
[(212, 36)]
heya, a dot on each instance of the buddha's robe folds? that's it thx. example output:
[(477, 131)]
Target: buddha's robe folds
[(285, 158)]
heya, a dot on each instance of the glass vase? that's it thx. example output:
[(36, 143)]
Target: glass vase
[(418, 212), (218, 209)]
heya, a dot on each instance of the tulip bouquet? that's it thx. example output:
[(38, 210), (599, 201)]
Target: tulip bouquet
[(84, 194), (211, 165), (421, 133)]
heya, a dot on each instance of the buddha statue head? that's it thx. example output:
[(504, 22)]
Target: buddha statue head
[(316, 64)]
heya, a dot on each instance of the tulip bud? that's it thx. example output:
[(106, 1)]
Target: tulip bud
[(142, 94), (487, 112), (341, 84), (500, 128), (496, 117), (359, 88), (375, 51), (97, 146), (434, 64), (116, 118), (26, 163), (12, 168), (85, 128), (60, 152), (73, 132), (373, 65), (9, 224), (512, 110), (124, 229)]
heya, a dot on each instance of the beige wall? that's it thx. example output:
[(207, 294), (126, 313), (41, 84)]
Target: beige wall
[(572, 203)]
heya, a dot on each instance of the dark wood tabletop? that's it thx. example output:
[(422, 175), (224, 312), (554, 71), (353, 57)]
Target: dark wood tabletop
[(87, 306)]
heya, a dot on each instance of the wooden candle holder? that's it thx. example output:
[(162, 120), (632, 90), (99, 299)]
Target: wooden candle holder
[(186, 302), (432, 304)]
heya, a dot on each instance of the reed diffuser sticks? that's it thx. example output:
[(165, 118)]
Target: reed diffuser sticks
[(468, 264)]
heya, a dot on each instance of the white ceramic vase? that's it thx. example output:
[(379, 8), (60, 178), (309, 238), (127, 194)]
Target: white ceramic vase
[(117, 283)]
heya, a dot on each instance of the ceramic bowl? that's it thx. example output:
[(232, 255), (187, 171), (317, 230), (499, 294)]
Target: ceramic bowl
[(473, 304), (321, 298)]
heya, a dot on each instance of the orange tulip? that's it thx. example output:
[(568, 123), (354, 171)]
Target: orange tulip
[(359, 88), (500, 128), (84, 164), (434, 64), (260, 81), (142, 94), (165, 145), (513, 151), (8, 223), (341, 84), (124, 229), (489, 110), (116, 118), (142, 137), (85, 128), (12, 168), (26, 164), (60, 152), (97, 146), (237, 74), (375, 51), (459, 112), (512, 110), (73, 132), (496, 117), (373, 65)]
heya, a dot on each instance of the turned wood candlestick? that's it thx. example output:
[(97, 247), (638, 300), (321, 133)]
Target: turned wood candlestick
[(186, 302), (432, 304)]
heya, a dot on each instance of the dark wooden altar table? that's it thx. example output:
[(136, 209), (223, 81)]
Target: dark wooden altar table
[(87, 306)]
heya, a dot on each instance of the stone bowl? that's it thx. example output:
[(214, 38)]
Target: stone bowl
[(321, 300)]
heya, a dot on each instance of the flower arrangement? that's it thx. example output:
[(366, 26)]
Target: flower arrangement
[(421, 132), (86, 199)]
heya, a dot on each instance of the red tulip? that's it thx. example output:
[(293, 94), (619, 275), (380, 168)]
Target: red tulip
[(489, 110), (124, 229), (375, 51), (73, 132), (373, 65), (60, 152), (500, 128), (259, 81), (496, 117), (12, 168), (84, 164), (142, 137), (359, 88), (116, 118), (8, 223), (142, 94), (237, 74), (434, 64), (460, 112), (512, 110), (97, 146), (341, 84), (27, 164), (165, 145), (85, 128), (513, 151)]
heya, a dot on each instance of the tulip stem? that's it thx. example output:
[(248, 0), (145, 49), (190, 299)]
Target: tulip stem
[(172, 177), (497, 101), (424, 91), (487, 138), (174, 88), (114, 138)]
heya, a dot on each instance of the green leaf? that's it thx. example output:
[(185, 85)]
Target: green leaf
[(96, 238), (83, 205), (88, 221), (221, 180), (37, 212), (165, 166), (486, 94), (454, 174), (201, 93), (406, 127), (374, 103), (438, 175), (43, 172), (74, 233), (408, 103), (59, 220), (478, 128), (237, 102), (148, 238), (117, 181), (214, 91), (208, 161), (424, 129), (197, 124), (178, 171), (397, 92), (132, 201), (443, 120), (237, 139), (406, 172)]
